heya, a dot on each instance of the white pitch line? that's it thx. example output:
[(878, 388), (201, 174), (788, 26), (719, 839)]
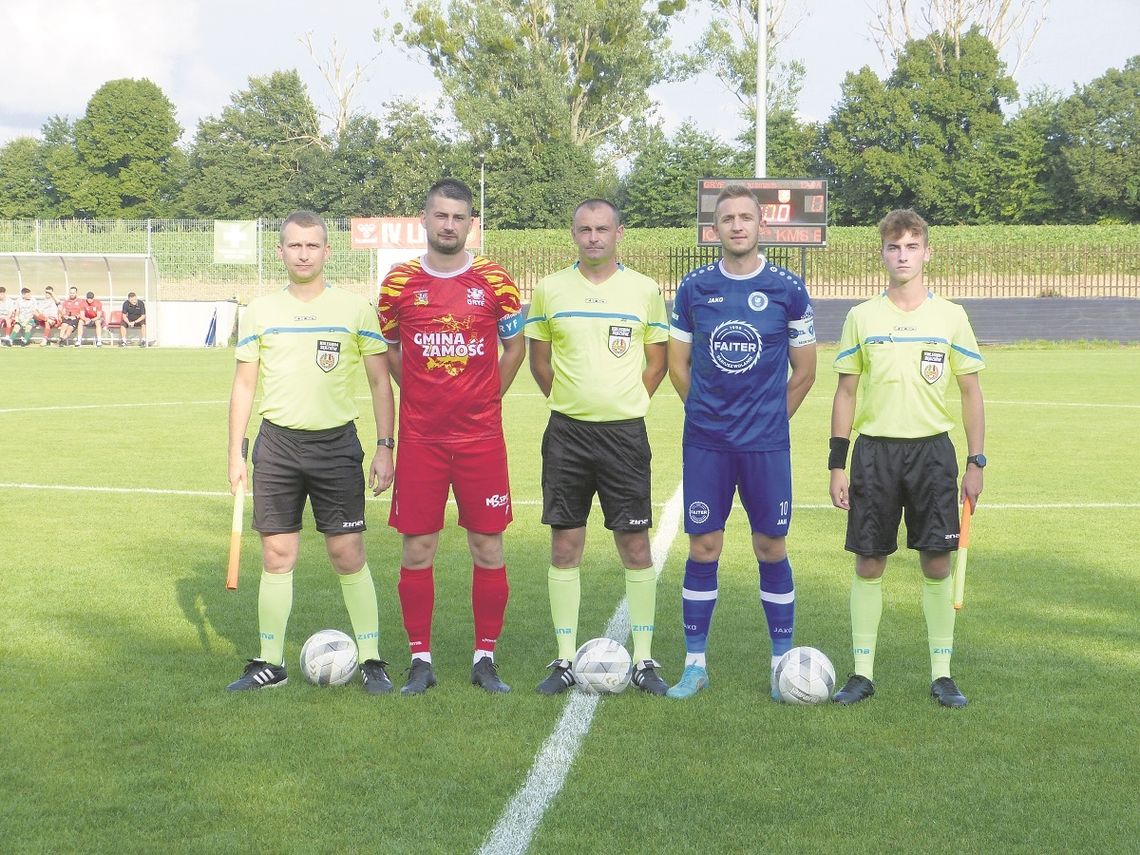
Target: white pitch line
[(515, 829), (154, 491), (109, 406)]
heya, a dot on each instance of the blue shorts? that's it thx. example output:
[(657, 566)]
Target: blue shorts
[(711, 478)]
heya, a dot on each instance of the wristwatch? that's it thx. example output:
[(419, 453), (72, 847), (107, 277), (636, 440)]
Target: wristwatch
[(978, 460), (388, 442)]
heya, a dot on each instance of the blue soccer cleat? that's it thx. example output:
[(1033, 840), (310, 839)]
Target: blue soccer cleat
[(692, 681)]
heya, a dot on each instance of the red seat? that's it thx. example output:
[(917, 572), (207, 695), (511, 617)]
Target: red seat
[(116, 321)]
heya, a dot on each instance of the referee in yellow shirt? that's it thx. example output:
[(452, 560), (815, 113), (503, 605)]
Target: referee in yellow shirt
[(306, 344), (898, 351), (597, 333)]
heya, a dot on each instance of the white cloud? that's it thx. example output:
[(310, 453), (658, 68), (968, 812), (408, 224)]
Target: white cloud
[(62, 51)]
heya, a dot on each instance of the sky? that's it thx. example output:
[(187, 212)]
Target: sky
[(200, 52)]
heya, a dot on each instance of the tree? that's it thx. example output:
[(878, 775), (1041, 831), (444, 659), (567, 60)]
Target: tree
[(125, 144), (944, 23), (924, 138), (23, 180), (660, 189), (1022, 174), (521, 71), (262, 157), (1098, 149)]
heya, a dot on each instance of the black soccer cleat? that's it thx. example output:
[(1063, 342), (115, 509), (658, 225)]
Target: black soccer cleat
[(421, 677), (646, 678), (485, 675), (857, 688), (558, 680), (376, 679), (947, 693), (258, 674)]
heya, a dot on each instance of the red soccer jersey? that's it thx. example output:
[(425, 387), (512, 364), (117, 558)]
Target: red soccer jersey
[(73, 308), (447, 326), (92, 309)]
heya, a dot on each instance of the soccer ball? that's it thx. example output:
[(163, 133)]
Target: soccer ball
[(803, 675), (328, 658), (602, 666)]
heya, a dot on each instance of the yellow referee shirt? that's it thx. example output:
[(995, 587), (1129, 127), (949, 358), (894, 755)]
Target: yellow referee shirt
[(598, 335), (308, 355), (906, 360)]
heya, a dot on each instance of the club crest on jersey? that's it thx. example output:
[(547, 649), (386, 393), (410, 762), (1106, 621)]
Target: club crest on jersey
[(933, 364), (328, 354), (735, 346), (620, 338), (421, 298), (476, 297), (758, 301)]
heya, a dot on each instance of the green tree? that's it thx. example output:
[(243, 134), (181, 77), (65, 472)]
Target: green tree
[(64, 174), (1098, 149), (23, 180), (926, 137), (125, 147), (262, 157), (660, 189), (1022, 173)]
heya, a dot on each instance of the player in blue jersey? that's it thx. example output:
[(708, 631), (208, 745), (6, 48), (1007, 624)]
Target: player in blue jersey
[(736, 326)]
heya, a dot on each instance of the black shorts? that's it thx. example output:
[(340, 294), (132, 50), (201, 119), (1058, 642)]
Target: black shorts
[(890, 476), (611, 459), (324, 465)]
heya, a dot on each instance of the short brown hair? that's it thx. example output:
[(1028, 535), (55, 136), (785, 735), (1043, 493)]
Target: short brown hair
[(594, 204), (900, 221), (735, 191), (306, 220)]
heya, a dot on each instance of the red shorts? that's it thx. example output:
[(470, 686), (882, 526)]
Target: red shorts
[(476, 470)]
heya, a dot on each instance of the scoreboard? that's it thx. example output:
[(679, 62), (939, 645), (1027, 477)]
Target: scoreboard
[(794, 210)]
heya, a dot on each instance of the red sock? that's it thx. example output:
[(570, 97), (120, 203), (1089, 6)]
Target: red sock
[(417, 599), (489, 592)]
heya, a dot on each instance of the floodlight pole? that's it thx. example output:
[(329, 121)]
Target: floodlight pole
[(761, 88), (482, 181)]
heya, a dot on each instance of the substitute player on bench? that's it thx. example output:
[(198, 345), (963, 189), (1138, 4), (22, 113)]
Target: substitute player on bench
[(736, 327), (898, 351), (597, 334), (443, 316), (306, 344)]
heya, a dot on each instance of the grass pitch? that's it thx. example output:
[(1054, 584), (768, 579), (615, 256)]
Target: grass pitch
[(119, 638)]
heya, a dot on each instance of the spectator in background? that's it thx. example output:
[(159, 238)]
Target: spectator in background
[(24, 321), (7, 312), (69, 311), (48, 314), (134, 315), (91, 313)]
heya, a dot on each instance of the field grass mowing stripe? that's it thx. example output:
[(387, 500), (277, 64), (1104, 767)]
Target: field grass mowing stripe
[(110, 406), (154, 491), (515, 829)]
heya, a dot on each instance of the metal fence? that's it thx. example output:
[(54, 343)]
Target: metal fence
[(183, 251)]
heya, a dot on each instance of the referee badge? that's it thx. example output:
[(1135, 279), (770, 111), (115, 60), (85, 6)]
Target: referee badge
[(328, 354), (933, 364), (620, 338)]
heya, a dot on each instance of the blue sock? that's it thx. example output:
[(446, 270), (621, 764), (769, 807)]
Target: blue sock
[(778, 597), (698, 599)]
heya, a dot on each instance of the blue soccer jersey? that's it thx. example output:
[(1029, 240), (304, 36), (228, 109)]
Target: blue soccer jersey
[(740, 329)]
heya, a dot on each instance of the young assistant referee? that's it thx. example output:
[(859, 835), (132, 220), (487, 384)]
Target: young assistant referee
[(899, 351)]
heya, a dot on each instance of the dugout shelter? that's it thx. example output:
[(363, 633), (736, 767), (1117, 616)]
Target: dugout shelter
[(110, 275)]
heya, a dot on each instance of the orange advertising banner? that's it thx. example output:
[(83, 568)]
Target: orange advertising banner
[(398, 233)]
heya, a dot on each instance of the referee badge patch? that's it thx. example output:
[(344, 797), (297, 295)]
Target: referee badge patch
[(328, 354), (620, 338), (933, 364)]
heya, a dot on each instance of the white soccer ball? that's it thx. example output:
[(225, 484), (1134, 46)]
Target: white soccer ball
[(601, 666), (328, 658), (804, 675)]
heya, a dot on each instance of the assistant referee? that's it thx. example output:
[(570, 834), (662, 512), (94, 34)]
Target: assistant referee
[(306, 344), (597, 333)]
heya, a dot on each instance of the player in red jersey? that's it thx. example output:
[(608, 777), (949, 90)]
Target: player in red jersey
[(443, 316)]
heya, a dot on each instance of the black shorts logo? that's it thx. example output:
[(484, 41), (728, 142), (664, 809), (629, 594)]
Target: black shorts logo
[(620, 338), (328, 354), (933, 365)]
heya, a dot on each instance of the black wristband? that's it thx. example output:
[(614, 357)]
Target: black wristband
[(837, 455)]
